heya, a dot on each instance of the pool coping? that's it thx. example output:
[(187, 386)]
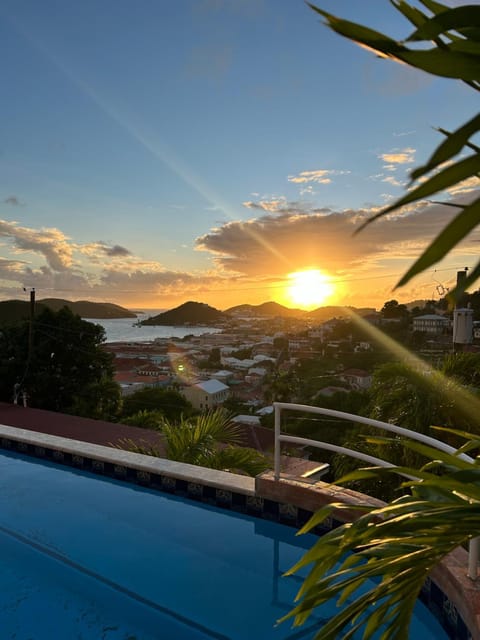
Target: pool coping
[(448, 593)]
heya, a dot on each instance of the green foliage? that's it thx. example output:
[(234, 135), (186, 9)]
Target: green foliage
[(375, 567), (209, 440), (418, 397), (450, 47), (392, 309), (145, 419), (100, 400), (171, 404), (67, 369)]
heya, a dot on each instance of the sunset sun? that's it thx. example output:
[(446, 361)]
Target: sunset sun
[(309, 289)]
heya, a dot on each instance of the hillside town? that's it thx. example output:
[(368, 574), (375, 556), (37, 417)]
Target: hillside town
[(254, 360)]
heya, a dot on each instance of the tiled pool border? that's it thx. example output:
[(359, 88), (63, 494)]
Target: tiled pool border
[(452, 597)]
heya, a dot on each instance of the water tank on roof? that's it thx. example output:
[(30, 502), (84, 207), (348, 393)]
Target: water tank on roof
[(463, 326)]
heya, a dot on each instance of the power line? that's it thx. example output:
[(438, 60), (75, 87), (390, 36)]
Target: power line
[(257, 287)]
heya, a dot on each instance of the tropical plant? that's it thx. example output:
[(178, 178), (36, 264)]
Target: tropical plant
[(168, 402), (376, 566), (208, 440), (455, 35), (144, 419)]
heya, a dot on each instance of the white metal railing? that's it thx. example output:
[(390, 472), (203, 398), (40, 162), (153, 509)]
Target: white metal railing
[(473, 555)]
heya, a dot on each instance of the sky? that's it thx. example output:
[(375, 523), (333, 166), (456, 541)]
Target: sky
[(156, 152)]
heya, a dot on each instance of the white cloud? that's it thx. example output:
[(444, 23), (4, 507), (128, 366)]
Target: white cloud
[(398, 156), (51, 243), (320, 176), (393, 181), (292, 240)]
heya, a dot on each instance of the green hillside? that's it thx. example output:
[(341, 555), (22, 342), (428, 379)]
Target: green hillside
[(12, 311), (189, 313)]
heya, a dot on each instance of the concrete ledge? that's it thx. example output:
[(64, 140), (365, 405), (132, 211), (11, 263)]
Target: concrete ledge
[(179, 470), (311, 497)]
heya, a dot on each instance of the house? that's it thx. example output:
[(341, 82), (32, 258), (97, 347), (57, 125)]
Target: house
[(430, 323), (358, 379), (206, 395)]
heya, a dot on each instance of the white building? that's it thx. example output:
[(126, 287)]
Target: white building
[(207, 395), (358, 379), (430, 323)]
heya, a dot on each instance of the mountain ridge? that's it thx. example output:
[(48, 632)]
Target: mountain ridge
[(12, 311)]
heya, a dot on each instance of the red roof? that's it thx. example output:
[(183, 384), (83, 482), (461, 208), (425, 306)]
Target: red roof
[(74, 427)]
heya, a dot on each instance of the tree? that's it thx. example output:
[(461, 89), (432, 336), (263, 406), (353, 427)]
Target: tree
[(169, 403), (65, 367), (392, 309), (209, 440), (398, 545)]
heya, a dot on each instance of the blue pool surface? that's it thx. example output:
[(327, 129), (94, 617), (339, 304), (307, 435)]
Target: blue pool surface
[(90, 558)]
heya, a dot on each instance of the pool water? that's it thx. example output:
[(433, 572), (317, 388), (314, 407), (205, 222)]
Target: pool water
[(85, 557)]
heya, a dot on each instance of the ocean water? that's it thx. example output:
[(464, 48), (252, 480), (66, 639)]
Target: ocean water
[(126, 329)]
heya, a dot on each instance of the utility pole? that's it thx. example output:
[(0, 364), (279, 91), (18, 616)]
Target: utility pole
[(30, 330)]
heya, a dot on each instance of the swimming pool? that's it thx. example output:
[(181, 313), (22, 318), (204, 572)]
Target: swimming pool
[(88, 557)]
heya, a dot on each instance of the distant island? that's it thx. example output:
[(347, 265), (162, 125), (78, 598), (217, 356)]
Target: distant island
[(189, 313), (201, 314), (12, 311)]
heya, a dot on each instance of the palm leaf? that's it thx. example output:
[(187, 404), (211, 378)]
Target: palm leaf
[(451, 19), (450, 147), (449, 237)]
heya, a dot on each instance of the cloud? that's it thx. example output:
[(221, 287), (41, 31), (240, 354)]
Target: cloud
[(116, 251), (276, 244), (466, 186), (398, 156), (320, 176), (393, 181), (51, 243), (277, 204), (101, 249), (11, 269), (13, 200)]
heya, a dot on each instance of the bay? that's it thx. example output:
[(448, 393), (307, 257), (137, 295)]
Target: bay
[(127, 329)]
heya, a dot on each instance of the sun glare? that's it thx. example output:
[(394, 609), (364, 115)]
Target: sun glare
[(309, 288)]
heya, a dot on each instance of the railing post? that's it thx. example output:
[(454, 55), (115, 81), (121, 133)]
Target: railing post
[(473, 558), (276, 456)]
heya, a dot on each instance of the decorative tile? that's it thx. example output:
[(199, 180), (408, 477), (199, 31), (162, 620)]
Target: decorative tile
[(59, 456), (40, 451), (6, 443), (120, 470), (98, 466), (288, 511), (255, 503), (143, 477), (22, 446), (450, 612), (223, 497), (77, 461), (168, 484), (426, 588), (195, 490)]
